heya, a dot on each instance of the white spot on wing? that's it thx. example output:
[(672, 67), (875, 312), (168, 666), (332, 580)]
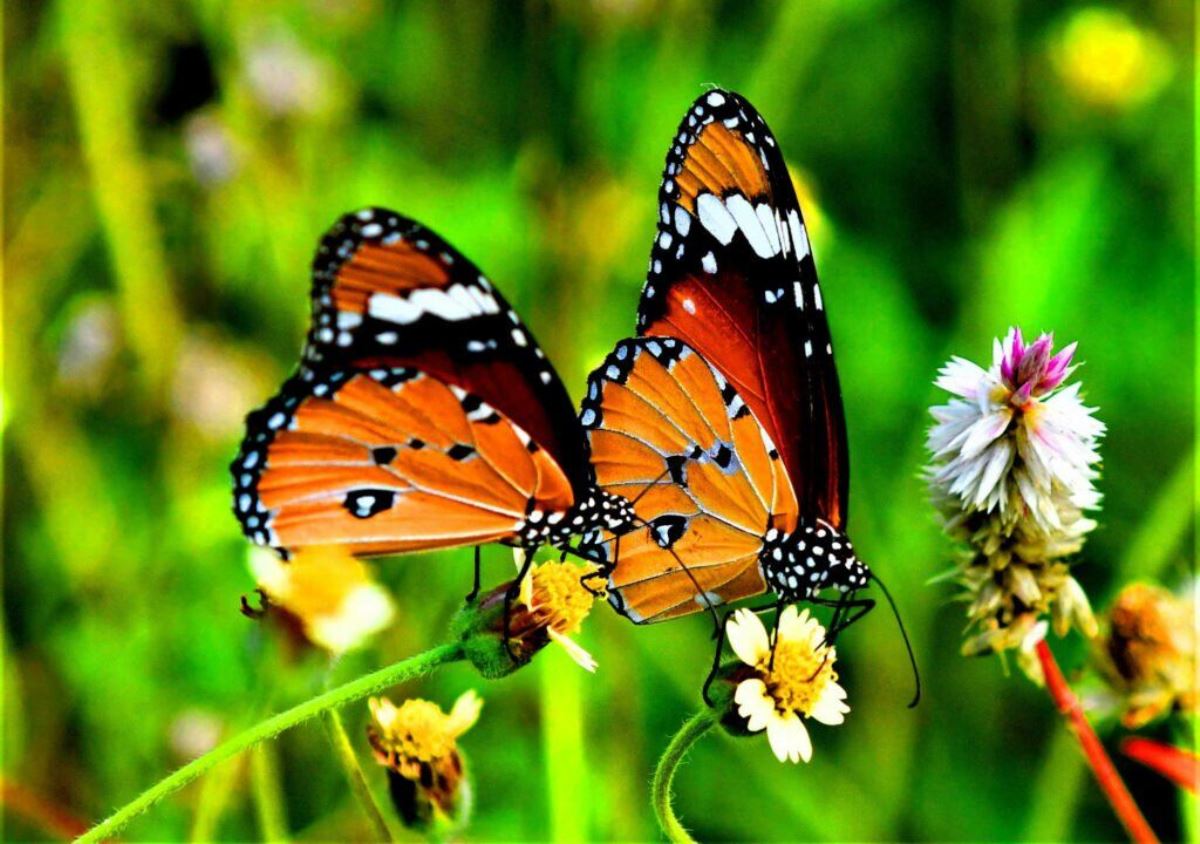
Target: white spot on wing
[(716, 218), (741, 210), (709, 263)]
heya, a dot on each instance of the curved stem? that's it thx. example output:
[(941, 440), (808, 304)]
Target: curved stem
[(1106, 774), (357, 780), (664, 773), (346, 693)]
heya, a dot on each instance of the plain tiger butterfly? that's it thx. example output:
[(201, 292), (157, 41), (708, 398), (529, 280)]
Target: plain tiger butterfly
[(423, 414), (723, 422)]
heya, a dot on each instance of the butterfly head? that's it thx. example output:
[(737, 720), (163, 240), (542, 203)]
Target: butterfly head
[(816, 556)]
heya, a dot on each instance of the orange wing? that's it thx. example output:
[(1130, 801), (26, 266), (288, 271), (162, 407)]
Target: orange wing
[(670, 433), (385, 461), (732, 275)]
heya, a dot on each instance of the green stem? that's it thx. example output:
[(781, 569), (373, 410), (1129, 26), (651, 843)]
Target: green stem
[(268, 801), (399, 672), (664, 774), (344, 750)]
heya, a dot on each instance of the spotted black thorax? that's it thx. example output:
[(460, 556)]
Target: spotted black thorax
[(816, 556)]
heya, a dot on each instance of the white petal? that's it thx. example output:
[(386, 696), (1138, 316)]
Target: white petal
[(747, 637), (789, 738), (830, 708), (465, 712), (754, 704), (985, 431), (584, 659)]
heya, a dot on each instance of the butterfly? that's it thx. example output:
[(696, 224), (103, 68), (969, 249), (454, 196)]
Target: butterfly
[(423, 415), (723, 421)]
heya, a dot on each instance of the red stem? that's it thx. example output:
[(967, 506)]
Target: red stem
[(1102, 767), (1174, 763)]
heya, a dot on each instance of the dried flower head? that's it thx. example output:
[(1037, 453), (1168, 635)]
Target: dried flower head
[(1149, 652), (1013, 461), (418, 743), (326, 592), (551, 604), (787, 676)]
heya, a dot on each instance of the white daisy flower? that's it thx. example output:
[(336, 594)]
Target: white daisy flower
[(797, 682)]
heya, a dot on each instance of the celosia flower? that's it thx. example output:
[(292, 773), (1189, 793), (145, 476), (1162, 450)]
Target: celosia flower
[(1013, 463), (788, 680), (418, 743), (550, 606), (327, 592), (1149, 653)]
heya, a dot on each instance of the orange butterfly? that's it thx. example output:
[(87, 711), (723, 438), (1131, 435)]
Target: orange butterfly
[(424, 414)]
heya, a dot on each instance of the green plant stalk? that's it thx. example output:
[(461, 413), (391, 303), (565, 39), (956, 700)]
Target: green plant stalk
[(664, 773), (103, 90), (1163, 528), (344, 750), (268, 803), (399, 672), (561, 696)]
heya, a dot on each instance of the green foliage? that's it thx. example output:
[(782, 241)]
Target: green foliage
[(158, 229)]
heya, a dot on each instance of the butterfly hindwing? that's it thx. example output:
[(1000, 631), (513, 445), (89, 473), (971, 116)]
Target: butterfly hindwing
[(389, 291), (387, 460), (732, 274), (668, 433)]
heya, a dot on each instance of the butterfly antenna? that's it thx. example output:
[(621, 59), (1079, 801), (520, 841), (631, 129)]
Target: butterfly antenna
[(650, 486), (903, 633)]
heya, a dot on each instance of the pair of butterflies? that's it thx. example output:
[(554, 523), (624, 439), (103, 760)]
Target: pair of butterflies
[(708, 463)]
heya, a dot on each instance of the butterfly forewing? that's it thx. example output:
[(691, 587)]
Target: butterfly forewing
[(668, 433), (388, 291), (731, 273)]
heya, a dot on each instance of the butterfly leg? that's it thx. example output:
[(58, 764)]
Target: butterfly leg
[(719, 634), (510, 595), (258, 612), (602, 572), (775, 635), (474, 593)]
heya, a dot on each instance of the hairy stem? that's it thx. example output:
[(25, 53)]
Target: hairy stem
[(344, 750), (406, 669), (664, 773), (1102, 767)]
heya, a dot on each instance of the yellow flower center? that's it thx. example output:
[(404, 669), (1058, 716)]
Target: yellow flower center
[(420, 731), (560, 600), (799, 675)]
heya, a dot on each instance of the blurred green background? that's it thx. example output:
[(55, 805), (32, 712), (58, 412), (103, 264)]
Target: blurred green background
[(965, 166)]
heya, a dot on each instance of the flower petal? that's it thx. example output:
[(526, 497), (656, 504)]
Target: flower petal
[(830, 708), (465, 713), (789, 738), (584, 659), (754, 704), (747, 637)]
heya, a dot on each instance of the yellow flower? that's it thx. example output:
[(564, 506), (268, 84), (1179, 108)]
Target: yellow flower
[(328, 592), (798, 681), (1150, 652), (557, 602), (1106, 60), (418, 743)]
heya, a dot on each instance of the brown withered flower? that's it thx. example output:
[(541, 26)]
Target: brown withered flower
[(1148, 652), (418, 744)]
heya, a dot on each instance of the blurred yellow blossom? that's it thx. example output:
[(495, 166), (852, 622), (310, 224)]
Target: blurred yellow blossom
[(1107, 60), (328, 592)]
